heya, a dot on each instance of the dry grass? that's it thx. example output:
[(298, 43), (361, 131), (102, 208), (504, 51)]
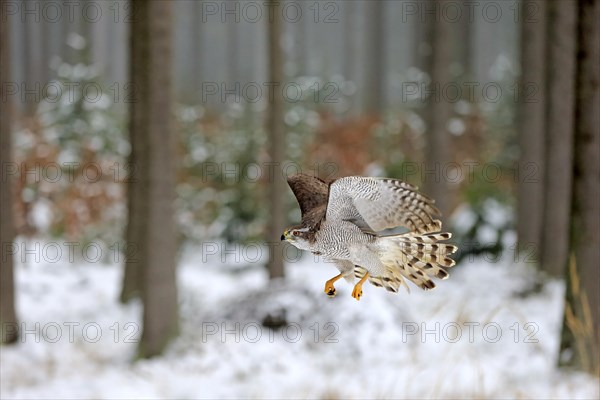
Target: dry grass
[(578, 319)]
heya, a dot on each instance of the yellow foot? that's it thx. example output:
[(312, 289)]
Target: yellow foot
[(357, 291), (329, 288)]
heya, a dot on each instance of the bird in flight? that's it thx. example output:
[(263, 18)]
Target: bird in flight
[(343, 220)]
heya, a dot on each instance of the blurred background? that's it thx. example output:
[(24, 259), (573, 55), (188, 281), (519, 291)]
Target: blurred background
[(144, 151)]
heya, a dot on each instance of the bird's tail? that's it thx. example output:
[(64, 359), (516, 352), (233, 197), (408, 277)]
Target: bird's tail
[(414, 256)]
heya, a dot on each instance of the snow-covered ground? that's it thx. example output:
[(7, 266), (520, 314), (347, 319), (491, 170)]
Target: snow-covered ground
[(487, 332)]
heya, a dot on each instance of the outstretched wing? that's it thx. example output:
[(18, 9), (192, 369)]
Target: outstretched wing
[(375, 204), (312, 194)]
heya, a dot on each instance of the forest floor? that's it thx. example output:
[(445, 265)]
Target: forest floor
[(490, 331)]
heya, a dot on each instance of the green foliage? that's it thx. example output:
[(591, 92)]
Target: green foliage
[(224, 169), (77, 147), (492, 188), (218, 175)]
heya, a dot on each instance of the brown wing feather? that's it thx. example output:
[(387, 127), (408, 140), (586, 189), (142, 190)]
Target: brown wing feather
[(312, 194)]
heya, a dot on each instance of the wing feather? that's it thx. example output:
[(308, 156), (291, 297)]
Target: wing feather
[(312, 195), (376, 204)]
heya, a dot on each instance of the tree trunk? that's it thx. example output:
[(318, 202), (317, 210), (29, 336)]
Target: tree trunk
[(197, 38), (306, 28), (581, 330), (374, 83), (532, 129), (136, 191), (464, 46), (232, 52), (562, 42), (276, 130), (151, 223), (8, 316), (349, 28), (349, 47), (438, 112), (421, 43), (31, 61)]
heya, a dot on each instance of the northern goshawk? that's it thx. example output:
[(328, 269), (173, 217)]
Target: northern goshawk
[(343, 220)]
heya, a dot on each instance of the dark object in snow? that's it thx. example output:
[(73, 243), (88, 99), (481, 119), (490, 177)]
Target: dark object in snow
[(275, 319)]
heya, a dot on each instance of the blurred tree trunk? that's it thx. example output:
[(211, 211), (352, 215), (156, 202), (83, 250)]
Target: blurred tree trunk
[(159, 289), (276, 130), (421, 50), (45, 55), (137, 163), (306, 25), (349, 49), (348, 41), (232, 52), (151, 233), (8, 315), (442, 35), (581, 330), (531, 127), (197, 39), (31, 61), (464, 46), (562, 42), (375, 71)]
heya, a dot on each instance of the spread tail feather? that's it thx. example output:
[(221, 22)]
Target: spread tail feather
[(414, 256)]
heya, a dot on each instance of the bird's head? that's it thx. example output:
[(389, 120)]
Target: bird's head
[(298, 236)]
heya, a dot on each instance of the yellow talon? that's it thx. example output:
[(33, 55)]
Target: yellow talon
[(357, 291), (329, 288)]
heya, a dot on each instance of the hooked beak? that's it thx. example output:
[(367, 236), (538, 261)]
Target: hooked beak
[(286, 236), (282, 237)]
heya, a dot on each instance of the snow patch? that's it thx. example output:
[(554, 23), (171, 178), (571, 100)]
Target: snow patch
[(474, 336)]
